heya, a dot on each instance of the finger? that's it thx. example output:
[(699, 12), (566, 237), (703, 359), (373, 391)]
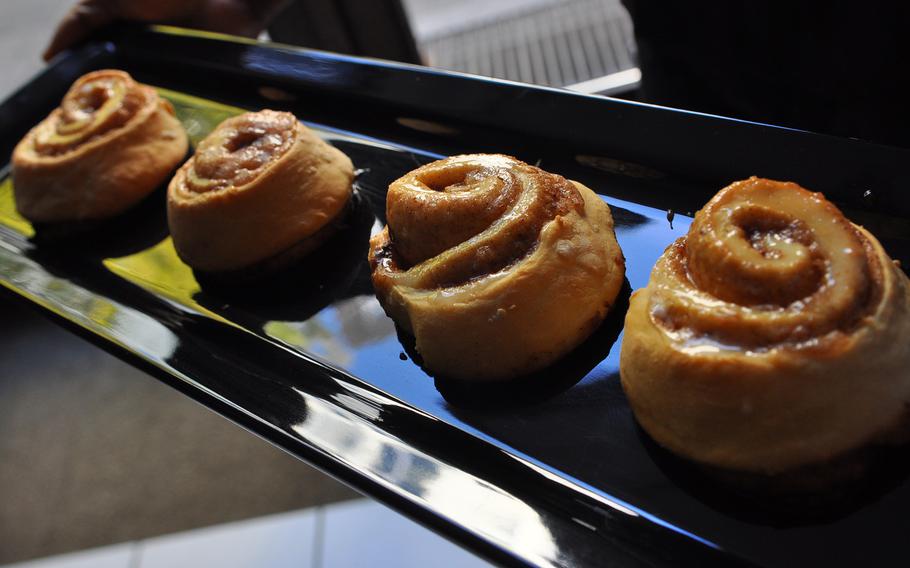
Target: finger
[(82, 20)]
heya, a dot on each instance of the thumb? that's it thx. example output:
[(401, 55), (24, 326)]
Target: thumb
[(80, 22)]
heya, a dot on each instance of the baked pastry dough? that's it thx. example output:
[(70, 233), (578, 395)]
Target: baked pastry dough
[(772, 336), (496, 267), (260, 185), (111, 142)]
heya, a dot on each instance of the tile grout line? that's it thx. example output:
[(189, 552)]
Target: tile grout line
[(319, 537), (135, 554)]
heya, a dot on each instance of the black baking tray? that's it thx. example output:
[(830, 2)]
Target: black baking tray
[(549, 471)]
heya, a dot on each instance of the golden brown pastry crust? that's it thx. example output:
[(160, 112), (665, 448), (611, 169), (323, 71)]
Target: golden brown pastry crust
[(111, 142), (771, 337), (260, 184), (496, 267)]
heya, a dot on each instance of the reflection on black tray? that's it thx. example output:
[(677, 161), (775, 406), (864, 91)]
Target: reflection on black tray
[(816, 494)]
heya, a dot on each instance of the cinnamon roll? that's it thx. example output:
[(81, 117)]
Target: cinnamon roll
[(108, 145), (497, 268), (772, 337), (261, 190)]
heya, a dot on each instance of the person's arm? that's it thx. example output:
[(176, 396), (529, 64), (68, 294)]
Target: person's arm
[(238, 17)]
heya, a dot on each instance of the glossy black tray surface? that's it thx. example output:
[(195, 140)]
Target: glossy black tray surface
[(549, 471)]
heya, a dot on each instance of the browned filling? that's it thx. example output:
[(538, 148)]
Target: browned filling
[(460, 219), (768, 281), (240, 149)]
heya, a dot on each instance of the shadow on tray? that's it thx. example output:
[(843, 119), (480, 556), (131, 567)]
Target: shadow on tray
[(142, 226), (810, 495)]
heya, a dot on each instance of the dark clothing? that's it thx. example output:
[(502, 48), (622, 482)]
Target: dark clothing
[(831, 67)]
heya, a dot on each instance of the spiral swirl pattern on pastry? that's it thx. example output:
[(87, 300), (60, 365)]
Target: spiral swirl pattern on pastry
[(259, 185), (768, 337), (94, 106), (496, 267), (109, 144)]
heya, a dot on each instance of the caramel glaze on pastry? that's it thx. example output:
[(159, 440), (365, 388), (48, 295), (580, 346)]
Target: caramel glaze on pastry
[(496, 267), (261, 185), (111, 142), (773, 336)]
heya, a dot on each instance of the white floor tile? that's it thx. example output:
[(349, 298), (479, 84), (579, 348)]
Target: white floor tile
[(116, 556), (276, 541), (367, 534)]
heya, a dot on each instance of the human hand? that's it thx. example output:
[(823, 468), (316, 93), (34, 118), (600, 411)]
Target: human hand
[(238, 17)]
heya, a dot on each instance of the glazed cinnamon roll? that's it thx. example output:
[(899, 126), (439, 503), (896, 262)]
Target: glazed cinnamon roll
[(108, 145), (261, 187), (497, 268), (773, 336)]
